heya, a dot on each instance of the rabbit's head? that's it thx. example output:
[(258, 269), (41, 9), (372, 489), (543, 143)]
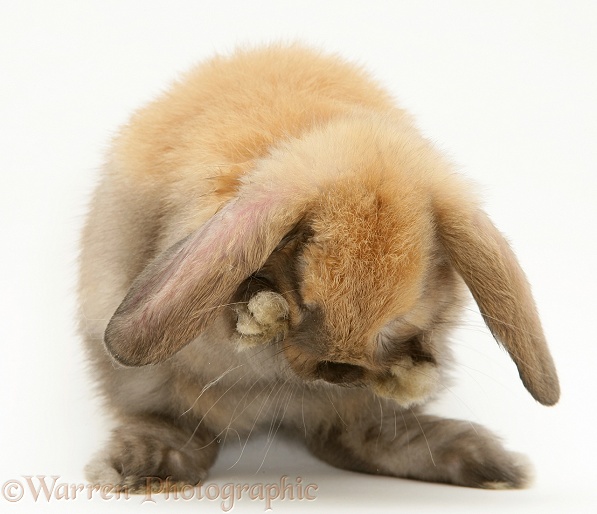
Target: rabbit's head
[(353, 242)]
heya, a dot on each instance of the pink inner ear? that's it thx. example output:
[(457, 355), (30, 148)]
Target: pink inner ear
[(225, 242), (217, 241), (179, 293)]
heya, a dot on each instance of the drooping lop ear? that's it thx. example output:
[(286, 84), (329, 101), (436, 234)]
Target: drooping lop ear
[(483, 258), (178, 294)]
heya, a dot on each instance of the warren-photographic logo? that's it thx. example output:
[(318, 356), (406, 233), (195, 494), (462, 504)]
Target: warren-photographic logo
[(50, 488)]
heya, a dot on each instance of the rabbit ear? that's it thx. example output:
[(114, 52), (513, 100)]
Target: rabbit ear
[(178, 294), (489, 268)]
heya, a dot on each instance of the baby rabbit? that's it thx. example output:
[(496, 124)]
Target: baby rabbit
[(274, 245)]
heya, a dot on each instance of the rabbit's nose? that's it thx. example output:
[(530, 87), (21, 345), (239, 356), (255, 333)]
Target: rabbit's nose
[(339, 372)]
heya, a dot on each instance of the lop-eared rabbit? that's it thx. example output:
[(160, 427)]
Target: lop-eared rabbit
[(274, 246)]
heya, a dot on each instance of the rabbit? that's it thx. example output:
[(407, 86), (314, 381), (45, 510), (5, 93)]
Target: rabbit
[(273, 245)]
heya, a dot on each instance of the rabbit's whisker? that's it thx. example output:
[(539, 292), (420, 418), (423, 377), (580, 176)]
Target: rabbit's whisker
[(424, 436)]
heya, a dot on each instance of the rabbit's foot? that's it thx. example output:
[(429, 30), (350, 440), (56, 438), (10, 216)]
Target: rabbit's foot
[(423, 447), (147, 455), (263, 319)]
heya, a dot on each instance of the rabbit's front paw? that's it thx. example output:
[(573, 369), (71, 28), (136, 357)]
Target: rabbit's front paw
[(263, 319), (507, 470), (150, 455), (476, 458)]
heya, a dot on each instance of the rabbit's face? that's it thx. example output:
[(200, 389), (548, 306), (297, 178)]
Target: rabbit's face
[(369, 293)]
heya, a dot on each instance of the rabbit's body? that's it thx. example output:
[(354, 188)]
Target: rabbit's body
[(278, 248)]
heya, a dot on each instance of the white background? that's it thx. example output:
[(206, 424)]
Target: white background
[(507, 88)]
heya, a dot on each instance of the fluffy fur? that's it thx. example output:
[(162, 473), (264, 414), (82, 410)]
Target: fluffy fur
[(273, 244)]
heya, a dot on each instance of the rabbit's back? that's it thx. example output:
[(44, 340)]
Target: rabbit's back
[(231, 110)]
